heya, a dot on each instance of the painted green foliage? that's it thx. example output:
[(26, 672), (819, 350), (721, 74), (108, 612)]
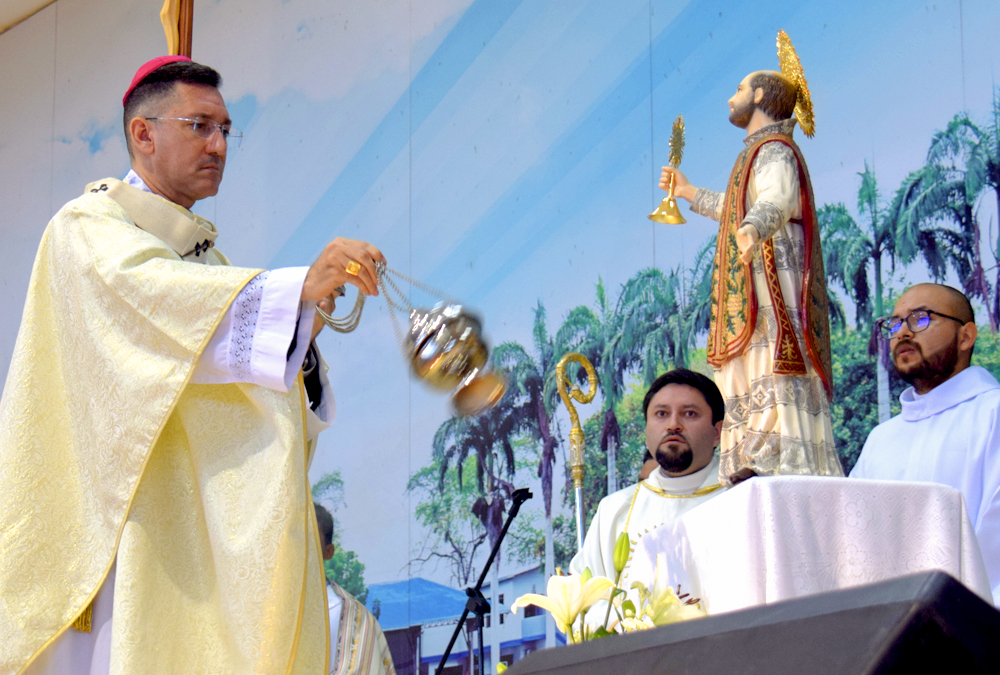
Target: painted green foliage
[(658, 320), (445, 511), (345, 568)]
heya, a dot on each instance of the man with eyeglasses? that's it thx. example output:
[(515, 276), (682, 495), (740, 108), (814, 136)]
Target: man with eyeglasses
[(159, 419), (949, 429)]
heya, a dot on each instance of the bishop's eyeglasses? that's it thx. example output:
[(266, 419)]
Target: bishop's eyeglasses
[(205, 129), (917, 321)]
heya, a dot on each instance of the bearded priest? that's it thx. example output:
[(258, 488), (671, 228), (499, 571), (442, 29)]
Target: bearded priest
[(684, 412), (156, 424)]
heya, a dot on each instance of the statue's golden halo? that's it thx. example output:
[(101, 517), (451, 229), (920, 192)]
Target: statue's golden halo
[(792, 69)]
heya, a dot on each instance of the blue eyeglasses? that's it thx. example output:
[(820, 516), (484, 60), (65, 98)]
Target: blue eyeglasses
[(916, 321)]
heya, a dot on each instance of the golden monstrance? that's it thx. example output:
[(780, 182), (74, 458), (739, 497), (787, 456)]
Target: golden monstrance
[(667, 212)]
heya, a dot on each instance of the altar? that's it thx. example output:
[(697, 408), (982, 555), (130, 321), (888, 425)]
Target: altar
[(786, 537)]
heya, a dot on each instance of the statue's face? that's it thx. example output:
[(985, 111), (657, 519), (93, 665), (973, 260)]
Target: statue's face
[(741, 105)]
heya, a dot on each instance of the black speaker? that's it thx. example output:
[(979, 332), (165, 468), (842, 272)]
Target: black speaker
[(925, 623)]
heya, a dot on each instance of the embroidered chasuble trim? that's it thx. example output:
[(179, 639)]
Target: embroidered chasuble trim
[(84, 622), (310, 515), (734, 301), (186, 233), (733, 298), (359, 652), (787, 358)]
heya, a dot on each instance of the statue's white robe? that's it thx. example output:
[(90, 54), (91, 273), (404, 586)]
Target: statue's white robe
[(775, 423)]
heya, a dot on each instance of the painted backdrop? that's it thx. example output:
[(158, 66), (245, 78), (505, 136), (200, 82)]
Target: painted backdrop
[(507, 153)]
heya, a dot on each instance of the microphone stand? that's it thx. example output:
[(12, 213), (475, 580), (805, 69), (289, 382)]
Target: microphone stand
[(477, 603)]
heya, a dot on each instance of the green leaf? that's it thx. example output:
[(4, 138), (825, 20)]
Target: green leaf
[(601, 632)]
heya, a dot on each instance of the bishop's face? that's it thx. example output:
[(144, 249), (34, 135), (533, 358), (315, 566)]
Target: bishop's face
[(679, 430), (741, 105), (185, 167)]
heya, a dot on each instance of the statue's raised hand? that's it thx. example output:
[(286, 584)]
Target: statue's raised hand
[(682, 186)]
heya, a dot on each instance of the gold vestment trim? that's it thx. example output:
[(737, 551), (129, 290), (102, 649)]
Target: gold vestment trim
[(84, 622), (700, 492)]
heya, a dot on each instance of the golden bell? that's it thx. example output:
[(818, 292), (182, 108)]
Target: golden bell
[(447, 351), (667, 213)]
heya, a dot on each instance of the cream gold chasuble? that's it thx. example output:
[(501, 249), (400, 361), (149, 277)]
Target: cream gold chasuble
[(106, 450)]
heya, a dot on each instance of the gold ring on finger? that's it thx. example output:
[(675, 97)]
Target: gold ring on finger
[(353, 267)]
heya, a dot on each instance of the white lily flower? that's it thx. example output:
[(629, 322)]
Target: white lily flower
[(661, 605), (631, 623), (566, 597)]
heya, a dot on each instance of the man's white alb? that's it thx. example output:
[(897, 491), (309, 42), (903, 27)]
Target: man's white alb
[(950, 435), (650, 510)]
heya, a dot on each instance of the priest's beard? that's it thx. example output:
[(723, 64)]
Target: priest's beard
[(740, 117), (930, 370), (674, 457)]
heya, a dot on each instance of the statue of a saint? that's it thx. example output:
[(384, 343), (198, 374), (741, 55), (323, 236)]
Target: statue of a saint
[(769, 339)]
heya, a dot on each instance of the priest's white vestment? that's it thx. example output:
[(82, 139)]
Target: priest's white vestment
[(657, 500), (950, 435)]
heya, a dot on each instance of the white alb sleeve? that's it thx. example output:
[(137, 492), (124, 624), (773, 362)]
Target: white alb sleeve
[(251, 342)]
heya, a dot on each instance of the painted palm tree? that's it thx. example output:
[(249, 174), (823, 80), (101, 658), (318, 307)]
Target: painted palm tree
[(653, 323), (699, 297), (852, 250), (657, 324), (487, 437), (530, 377), (845, 264), (983, 166), (654, 327), (662, 315), (937, 206), (532, 381)]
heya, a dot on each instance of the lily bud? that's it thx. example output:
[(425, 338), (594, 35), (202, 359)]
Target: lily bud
[(621, 552), (586, 576)]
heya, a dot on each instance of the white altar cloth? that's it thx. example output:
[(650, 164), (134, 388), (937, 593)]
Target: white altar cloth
[(784, 537)]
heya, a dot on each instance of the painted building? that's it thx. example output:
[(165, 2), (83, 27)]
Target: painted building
[(419, 616)]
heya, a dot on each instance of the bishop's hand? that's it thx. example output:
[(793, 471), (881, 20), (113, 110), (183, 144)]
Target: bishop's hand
[(343, 261)]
